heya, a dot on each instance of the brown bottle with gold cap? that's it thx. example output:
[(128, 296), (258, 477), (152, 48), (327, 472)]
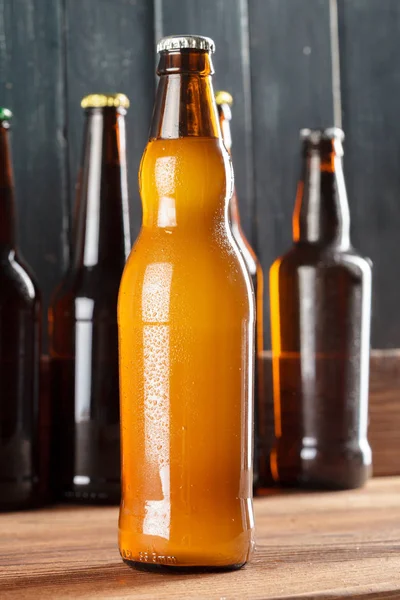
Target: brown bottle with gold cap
[(224, 102), (20, 313), (320, 323), (83, 315)]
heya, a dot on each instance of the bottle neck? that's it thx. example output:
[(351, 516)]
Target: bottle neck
[(185, 174), (224, 114), (101, 220), (7, 203), (184, 105), (321, 214)]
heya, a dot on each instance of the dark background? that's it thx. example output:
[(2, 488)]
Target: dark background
[(277, 57)]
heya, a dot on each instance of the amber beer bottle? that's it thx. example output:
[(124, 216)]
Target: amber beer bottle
[(224, 102), (186, 321), (83, 315), (20, 312), (320, 320)]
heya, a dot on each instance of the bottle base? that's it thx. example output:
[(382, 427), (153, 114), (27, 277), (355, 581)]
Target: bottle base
[(159, 568), (19, 494), (99, 493), (321, 485), (341, 470), (88, 498), (21, 506)]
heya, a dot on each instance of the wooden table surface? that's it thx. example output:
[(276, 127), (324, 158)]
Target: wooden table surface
[(315, 545)]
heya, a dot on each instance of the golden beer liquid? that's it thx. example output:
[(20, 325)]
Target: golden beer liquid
[(186, 319)]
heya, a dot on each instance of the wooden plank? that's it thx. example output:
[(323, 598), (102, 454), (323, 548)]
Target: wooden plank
[(227, 24), (384, 410), (315, 545), (31, 85), (110, 48), (290, 89), (370, 45)]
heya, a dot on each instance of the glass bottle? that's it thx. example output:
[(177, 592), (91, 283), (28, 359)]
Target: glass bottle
[(186, 326), (83, 315), (262, 474), (20, 317), (320, 322)]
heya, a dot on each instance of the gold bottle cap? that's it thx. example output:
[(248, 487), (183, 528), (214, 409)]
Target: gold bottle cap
[(222, 97), (177, 42), (105, 100)]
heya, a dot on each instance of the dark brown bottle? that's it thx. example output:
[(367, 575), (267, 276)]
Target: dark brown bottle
[(20, 310), (224, 102), (320, 321), (83, 316)]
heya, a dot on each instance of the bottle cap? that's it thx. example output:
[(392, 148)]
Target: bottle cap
[(222, 97), (105, 100), (5, 114), (317, 135), (178, 42)]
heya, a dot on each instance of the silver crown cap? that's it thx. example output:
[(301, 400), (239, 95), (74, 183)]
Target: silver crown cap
[(177, 42), (316, 135)]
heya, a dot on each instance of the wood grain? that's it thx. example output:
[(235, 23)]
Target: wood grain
[(110, 48), (291, 88), (32, 86), (274, 55), (334, 545), (369, 47), (384, 411)]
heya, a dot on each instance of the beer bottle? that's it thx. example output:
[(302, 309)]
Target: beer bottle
[(224, 102), (186, 326), (320, 321), (20, 314), (83, 315)]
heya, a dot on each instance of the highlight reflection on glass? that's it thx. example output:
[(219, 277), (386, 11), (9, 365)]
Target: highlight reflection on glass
[(155, 311), (83, 365)]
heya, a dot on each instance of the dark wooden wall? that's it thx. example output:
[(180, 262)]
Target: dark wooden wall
[(275, 56)]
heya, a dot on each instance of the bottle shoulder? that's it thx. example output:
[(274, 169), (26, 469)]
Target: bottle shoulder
[(320, 258), (86, 292), (246, 249), (185, 268), (184, 250), (17, 282)]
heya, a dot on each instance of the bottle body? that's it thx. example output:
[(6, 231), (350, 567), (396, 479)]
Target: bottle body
[(320, 310), (21, 477), (19, 386), (186, 321), (261, 453), (320, 322), (261, 471), (85, 391), (83, 323)]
